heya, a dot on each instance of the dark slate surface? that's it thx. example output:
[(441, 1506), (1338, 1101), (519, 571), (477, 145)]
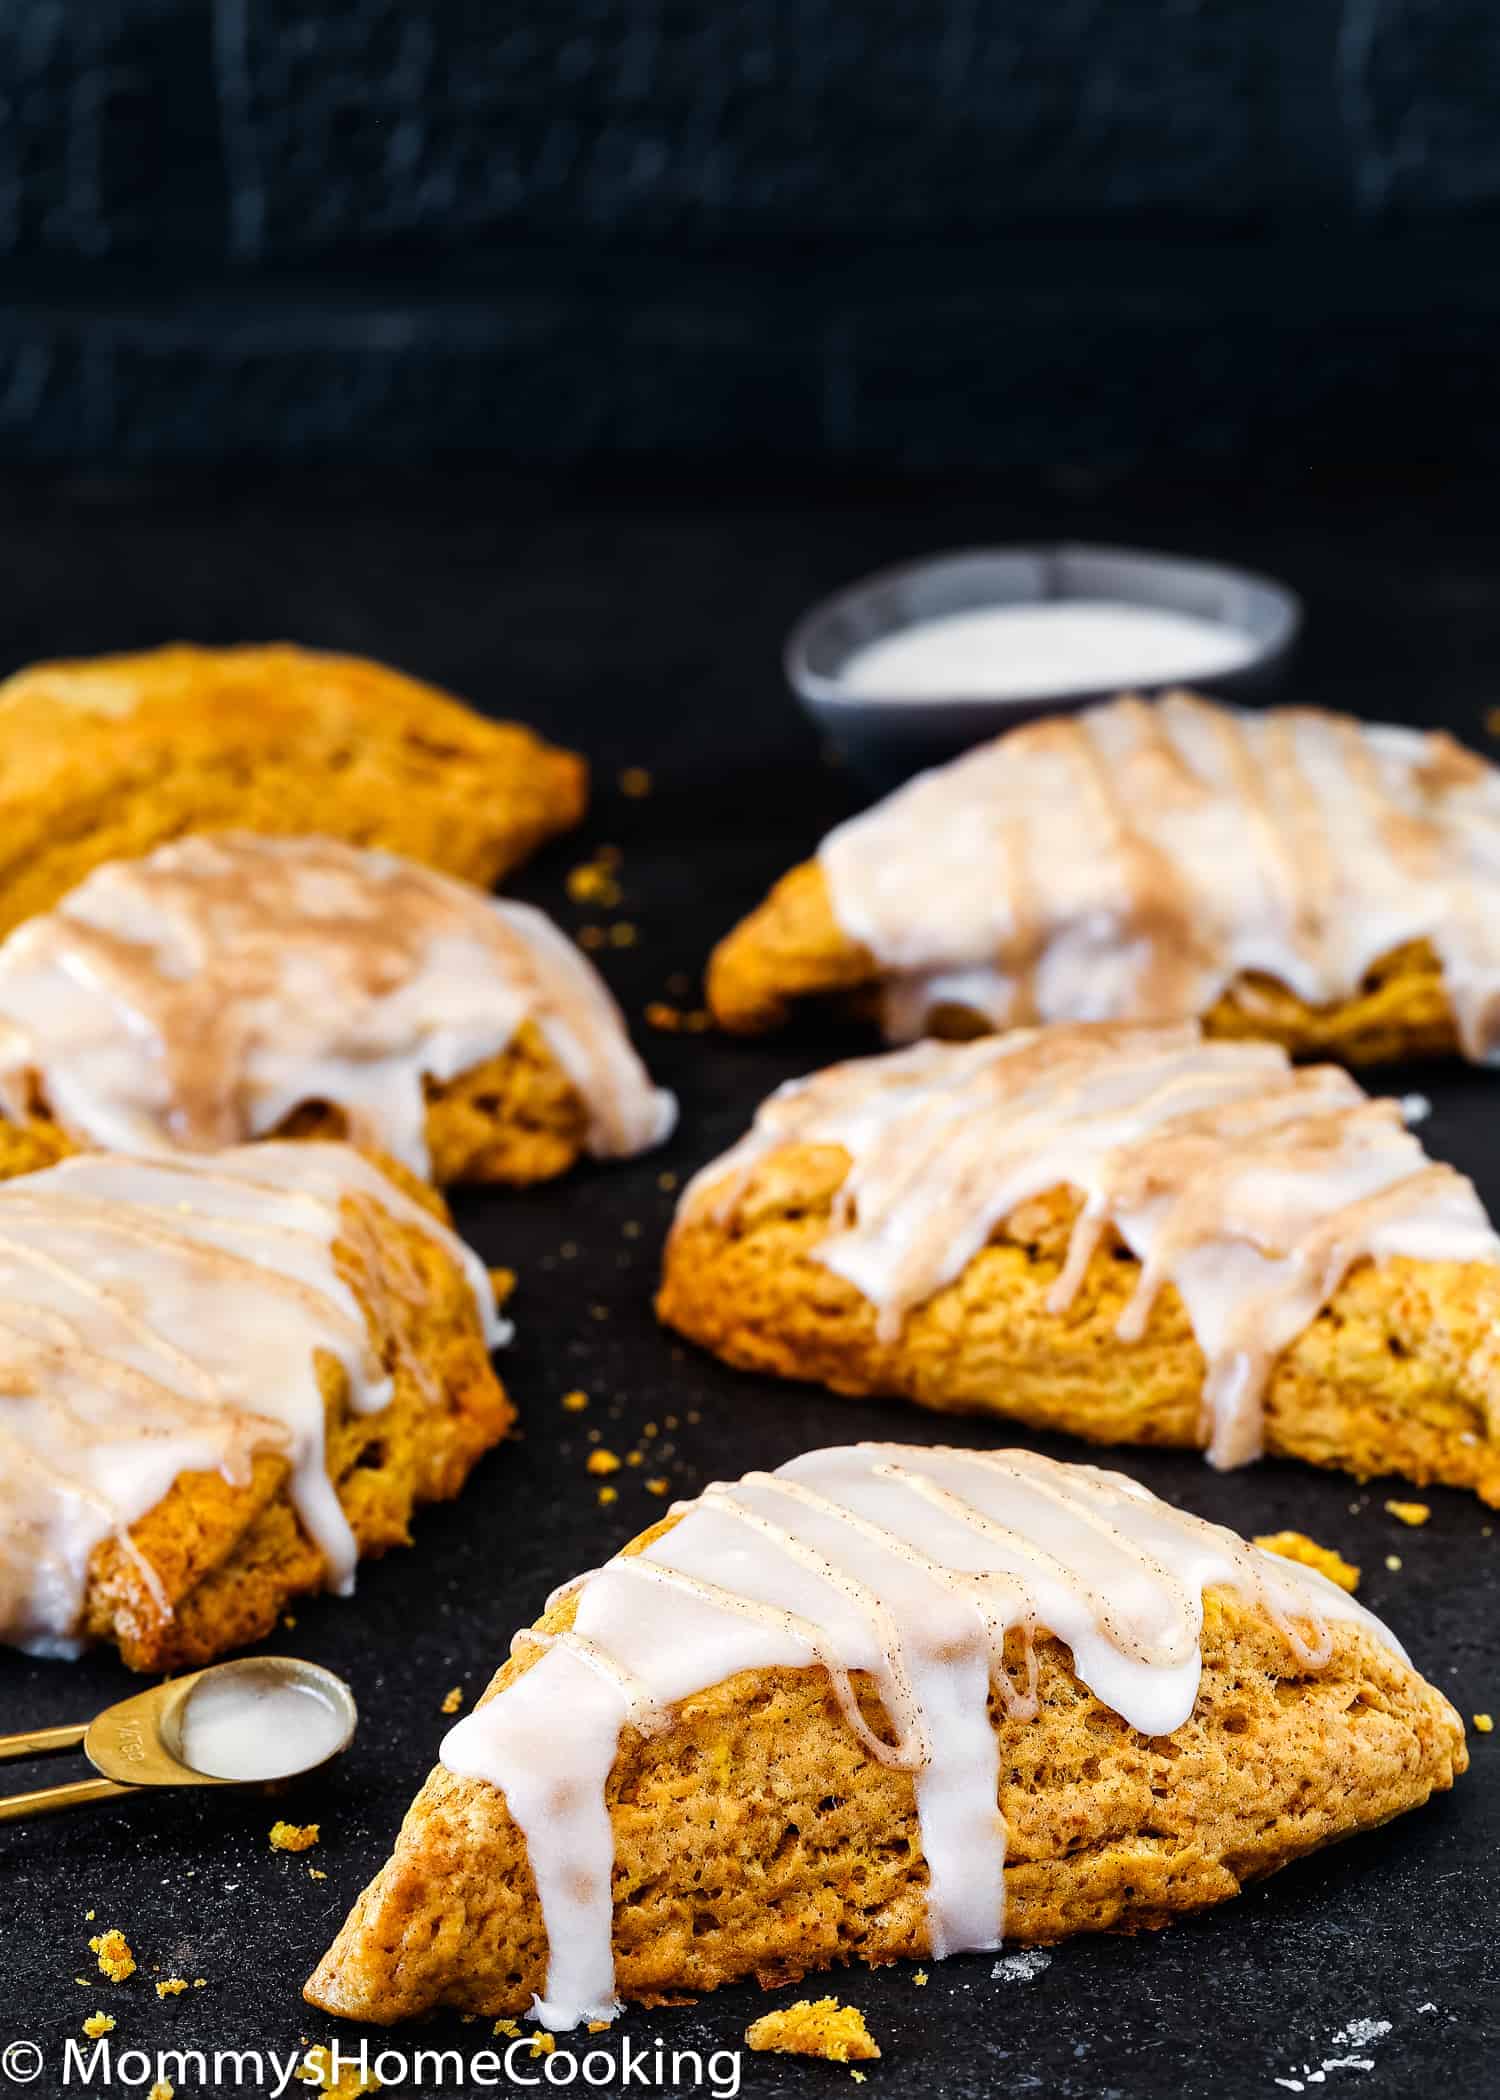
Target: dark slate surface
[(648, 633), (906, 232)]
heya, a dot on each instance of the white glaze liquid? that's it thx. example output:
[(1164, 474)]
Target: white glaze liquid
[(910, 1565), (249, 1724), (1063, 645)]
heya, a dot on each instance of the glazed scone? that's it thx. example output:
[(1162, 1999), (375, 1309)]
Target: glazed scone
[(1286, 874), (1133, 1235), (230, 986), (105, 757), (224, 1381), (774, 1733)]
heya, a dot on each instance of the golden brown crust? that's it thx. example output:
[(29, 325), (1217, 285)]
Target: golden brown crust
[(1400, 1373), (104, 758), (754, 1836), (230, 1559), (791, 947)]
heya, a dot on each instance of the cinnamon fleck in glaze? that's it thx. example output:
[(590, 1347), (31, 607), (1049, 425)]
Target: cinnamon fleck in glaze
[(1251, 1185), (161, 1317), (1130, 862), (912, 1566), (197, 997)]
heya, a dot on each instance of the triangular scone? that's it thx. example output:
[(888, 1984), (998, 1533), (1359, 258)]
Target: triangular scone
[(228, 987), (107, 756), (1132, 1235), (773, 1734), (1300, 876), (222, 1381)]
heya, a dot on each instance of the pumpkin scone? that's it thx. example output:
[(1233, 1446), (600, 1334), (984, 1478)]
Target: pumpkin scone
[(1133, 1235), (107, 756), (228, 986), (883, 1702), (1327, 884), (221, 1382)]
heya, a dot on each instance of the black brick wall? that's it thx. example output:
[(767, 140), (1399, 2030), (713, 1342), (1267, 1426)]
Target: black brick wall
[(909, 230)]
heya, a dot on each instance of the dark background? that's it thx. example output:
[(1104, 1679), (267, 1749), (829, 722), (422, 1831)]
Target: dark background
[(885, 232), (563, 354)]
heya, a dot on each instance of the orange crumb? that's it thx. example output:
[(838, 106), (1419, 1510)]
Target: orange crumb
[(635, 782), (591, 937), (89, 1917), (602, 1461), (608, 1495), (666, 1182), (507, 2028), (920, 1976), (200, 1983), (162, 2090), (453, 1700), (171, 1987), (99, 2023), (593, 882), (542, 2043), (600, 2026), (502, 1283), (1296, 1545), (622, 934), (293, 1837), (575, 1402), (317, 2069), (658, 1486), (1409, 1512), (289, 1622), (115, 1958), (635, 1458), (1485, 1723), (815, 2027), (316, 1874)]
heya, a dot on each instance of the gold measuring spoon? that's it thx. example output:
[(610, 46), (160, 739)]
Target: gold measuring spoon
[(244, 1723)]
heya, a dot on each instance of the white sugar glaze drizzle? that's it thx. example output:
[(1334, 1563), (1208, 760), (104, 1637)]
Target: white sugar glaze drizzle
[(1250, 1184), (196, 997), (163, 1317), (1129, 862), (911, 1565)]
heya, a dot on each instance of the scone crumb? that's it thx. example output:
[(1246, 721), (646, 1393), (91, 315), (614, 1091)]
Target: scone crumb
[(542, 2043), (1296, 1545), (1485, 1723), (600, 2026), (99, 2023), (115, 1958), (453, 1700), (602, 1461), (508, 2028), (635, 782), (1409, 1512), (294, 1837), (668, 1019), (162, 2090), (316, 1874), (200, 1983), (503, 1284), (576, 1401), (608, 1495), (171, 1987), (658, 1486), (317, 2069), (1393, 1562), (920, 1976), (593, 882), (89, 1916), (815, 2027)]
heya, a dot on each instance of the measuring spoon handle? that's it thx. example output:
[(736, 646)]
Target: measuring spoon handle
[(41, 1742), (15, 1808)]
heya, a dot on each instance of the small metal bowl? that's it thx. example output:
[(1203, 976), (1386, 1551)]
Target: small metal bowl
[(887, 738)]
